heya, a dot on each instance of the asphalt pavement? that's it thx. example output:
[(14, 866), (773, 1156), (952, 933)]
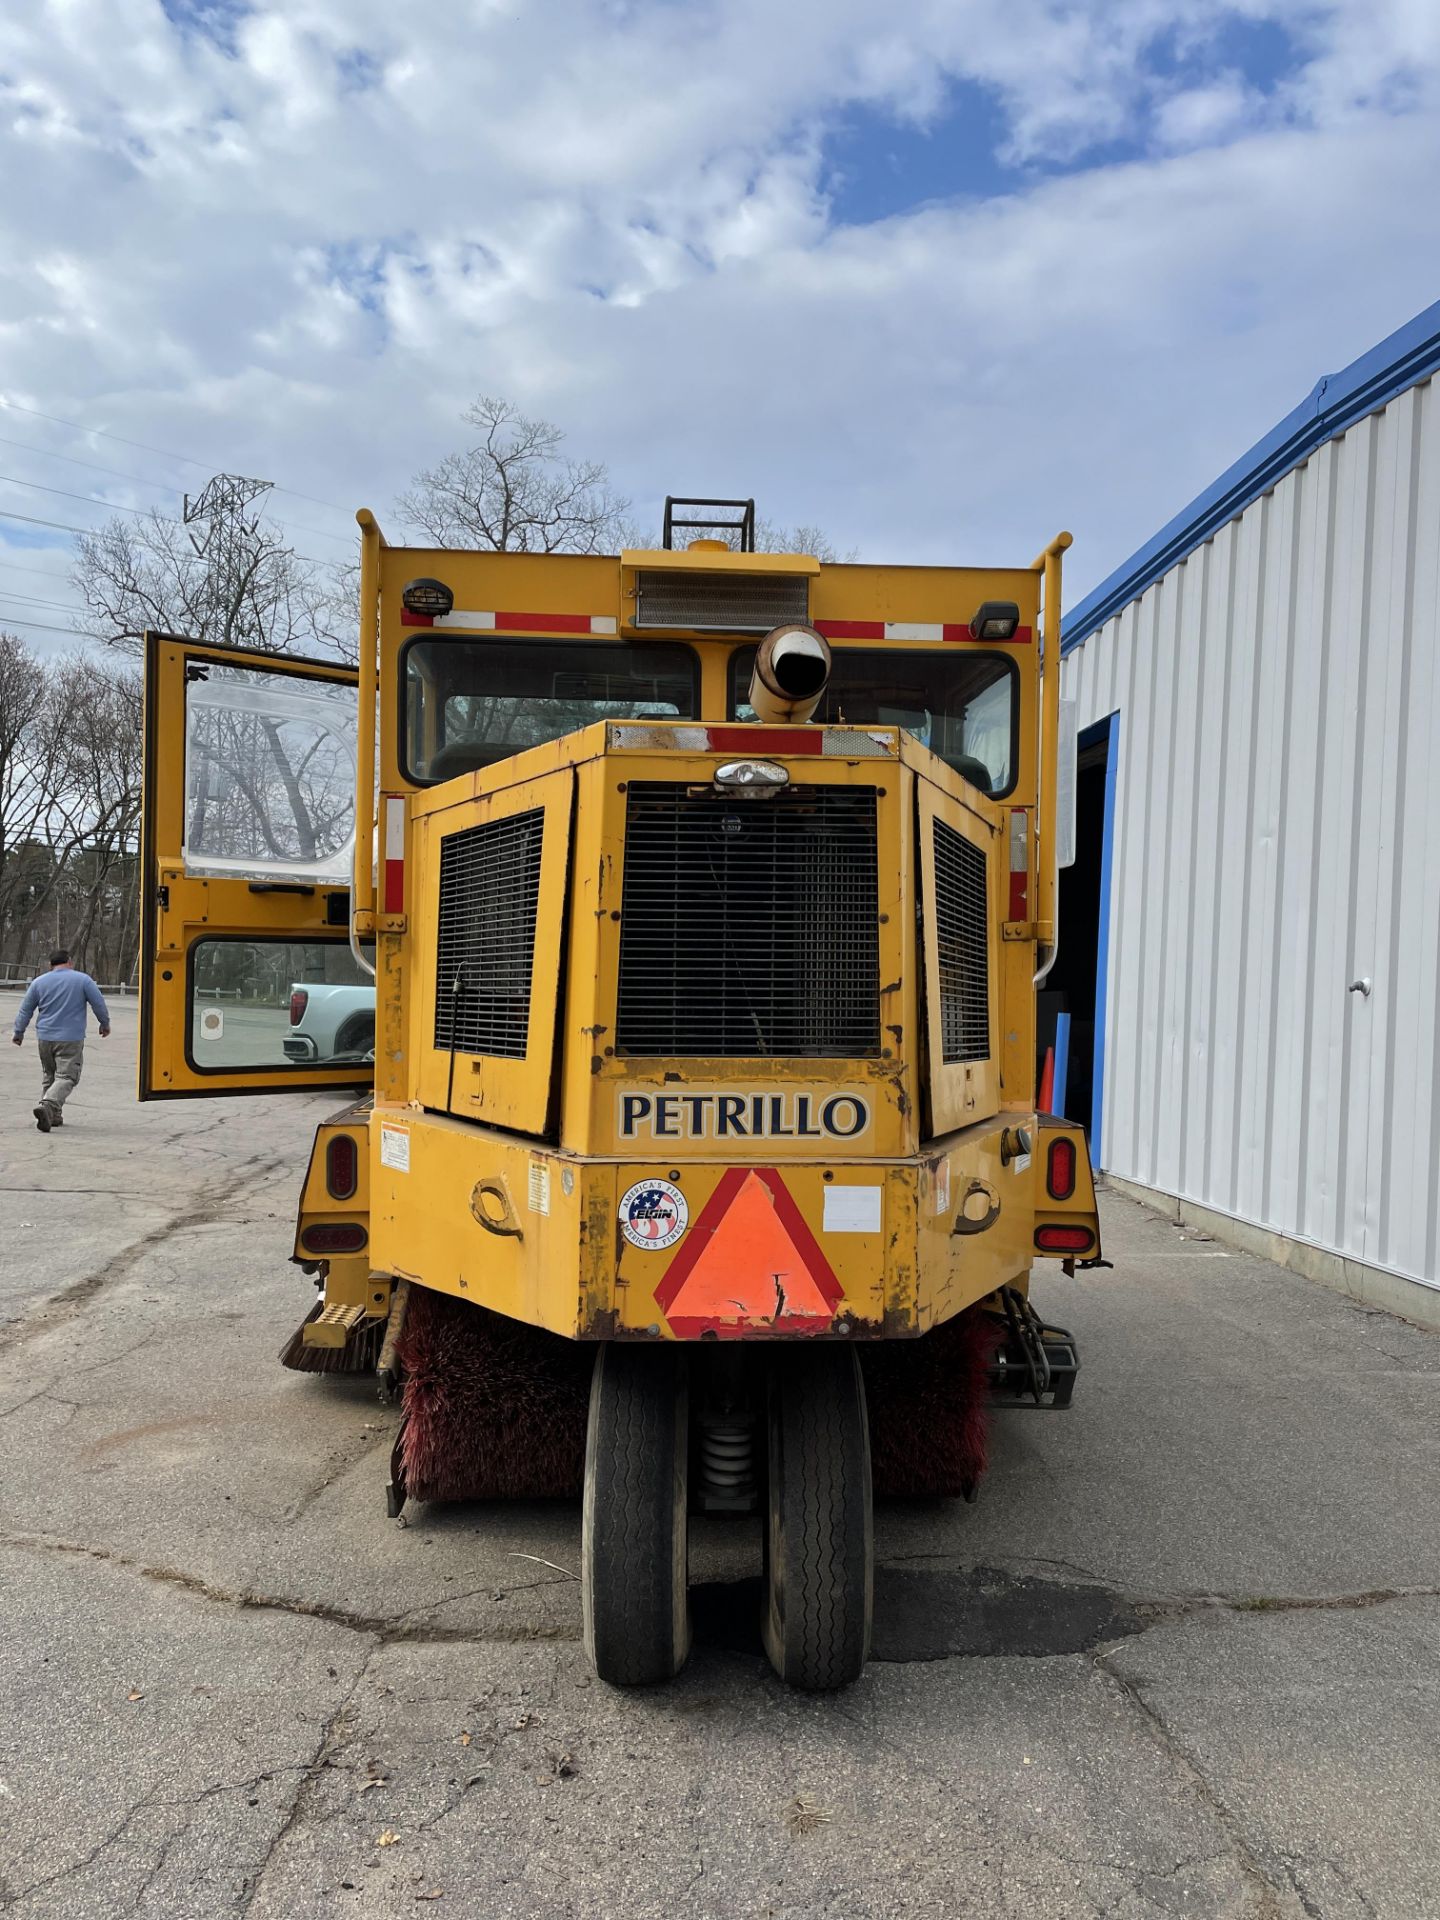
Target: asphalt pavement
[(1182, 1658)]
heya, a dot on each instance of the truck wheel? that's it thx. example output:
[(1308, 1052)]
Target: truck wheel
[(819, 1546), (357, 1035), (633, 1594)]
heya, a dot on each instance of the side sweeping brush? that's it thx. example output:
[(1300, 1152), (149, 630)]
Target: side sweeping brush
[(491, 1409), (357, 1355), (927, 1399)]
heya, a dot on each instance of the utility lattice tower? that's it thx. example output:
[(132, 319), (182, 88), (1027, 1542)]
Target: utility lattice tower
[(226, 541)]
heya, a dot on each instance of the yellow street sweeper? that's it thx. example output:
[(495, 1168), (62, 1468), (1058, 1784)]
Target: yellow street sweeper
[(681, 916)]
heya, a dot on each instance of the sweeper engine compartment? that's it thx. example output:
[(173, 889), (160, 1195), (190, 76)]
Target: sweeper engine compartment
[(699, 1168)]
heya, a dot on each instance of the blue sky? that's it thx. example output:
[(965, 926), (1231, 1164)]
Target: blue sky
[(939, 276)]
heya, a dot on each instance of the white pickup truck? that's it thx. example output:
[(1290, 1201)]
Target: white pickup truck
[(330, 1023)]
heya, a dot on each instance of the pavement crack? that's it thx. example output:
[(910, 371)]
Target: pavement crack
[(387, 1628), (1272, 1898), (335, 1735), (66, 1305)]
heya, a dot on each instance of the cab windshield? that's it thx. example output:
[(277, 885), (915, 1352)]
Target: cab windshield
[(961, 704), (469, 703)]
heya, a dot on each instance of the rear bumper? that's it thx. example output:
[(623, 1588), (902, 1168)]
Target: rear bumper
[(611, 1248)]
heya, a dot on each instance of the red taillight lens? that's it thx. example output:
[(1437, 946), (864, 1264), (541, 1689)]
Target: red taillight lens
[(299, 1000), (1060, 1169), (344, 1238), (342, 1166), (1064, 1239)]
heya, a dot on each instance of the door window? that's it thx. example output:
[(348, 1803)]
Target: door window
[(269, 776), (279, 1003)]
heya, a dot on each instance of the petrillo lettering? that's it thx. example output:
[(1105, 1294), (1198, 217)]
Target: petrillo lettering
[(743, 1116)]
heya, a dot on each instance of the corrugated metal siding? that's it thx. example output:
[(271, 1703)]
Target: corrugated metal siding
[(1277, 835)]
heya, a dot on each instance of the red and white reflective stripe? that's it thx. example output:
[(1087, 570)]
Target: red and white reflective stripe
[(752, 742), (1019, 864), (394, 855), (923, 630), (468, 620)]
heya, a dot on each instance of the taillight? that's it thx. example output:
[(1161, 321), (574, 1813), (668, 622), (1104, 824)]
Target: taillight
[(1060, 1169), (299, 1000), (343, 1238), (1064, 1239), (342, 1166)]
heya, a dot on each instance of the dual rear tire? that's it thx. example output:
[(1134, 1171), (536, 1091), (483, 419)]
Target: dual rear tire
[(819, 1552)]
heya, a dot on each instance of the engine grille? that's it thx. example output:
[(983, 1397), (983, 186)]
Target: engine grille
[(750, 926), (489, 893), (962, 929), (720, 602)]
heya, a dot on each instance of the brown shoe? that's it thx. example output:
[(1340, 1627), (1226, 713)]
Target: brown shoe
[(42, 1117)]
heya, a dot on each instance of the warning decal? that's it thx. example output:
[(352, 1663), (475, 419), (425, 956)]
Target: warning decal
[(750, 1265)]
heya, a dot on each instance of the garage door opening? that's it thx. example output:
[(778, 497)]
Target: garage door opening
[(1076, 986)]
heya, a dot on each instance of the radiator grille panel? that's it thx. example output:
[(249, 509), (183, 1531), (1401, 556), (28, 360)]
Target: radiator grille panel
[(489, 893), (750, 926), (721, 602), (962, 929)]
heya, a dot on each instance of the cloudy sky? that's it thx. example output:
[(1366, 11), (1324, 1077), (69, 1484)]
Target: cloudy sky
[(938, 275)]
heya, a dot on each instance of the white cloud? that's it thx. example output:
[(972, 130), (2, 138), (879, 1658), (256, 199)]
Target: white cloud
[(297, 238)]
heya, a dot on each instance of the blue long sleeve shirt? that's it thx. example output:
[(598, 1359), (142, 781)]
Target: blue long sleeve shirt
[(61, 997)]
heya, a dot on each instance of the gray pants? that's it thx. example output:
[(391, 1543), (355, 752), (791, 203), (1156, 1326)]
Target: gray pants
[(60, 1064)]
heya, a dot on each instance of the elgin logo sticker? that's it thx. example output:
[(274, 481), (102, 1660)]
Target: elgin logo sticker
[(653, 1215)]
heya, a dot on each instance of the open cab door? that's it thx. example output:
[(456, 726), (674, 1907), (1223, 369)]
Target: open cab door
[(248, 982)]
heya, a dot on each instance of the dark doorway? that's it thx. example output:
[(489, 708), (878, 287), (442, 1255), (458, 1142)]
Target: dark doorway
[(1076, 984)]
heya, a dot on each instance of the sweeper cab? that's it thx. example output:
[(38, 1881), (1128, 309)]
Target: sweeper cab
[(687, 909)]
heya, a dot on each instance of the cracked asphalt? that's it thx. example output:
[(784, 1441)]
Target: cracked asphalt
[(1183, 1658)]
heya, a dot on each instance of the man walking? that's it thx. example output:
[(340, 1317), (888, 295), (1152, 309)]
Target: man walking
[(61, 997)]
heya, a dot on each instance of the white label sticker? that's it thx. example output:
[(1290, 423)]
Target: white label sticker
[(852, 1210), (653, 1215), (212, 1023), (395, 1148), (942, 1187), (1020, 1163), (539, 1186)]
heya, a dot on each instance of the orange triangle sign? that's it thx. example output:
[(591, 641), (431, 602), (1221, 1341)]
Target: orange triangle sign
[(749, 1265)]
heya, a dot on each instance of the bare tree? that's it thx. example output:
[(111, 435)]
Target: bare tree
[(149, 573), (514, 491), (100, 791)]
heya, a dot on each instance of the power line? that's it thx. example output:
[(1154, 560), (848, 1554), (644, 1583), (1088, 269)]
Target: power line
[(63, 526), (25, 446), (43, 626), (144, 446), (110, 506), (34, 600), (60, 526), (45, 573)]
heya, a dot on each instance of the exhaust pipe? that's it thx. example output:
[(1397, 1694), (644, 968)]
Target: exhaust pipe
[(792, 671)]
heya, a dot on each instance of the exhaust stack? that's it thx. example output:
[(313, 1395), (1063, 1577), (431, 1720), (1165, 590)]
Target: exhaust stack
[(792, 671)]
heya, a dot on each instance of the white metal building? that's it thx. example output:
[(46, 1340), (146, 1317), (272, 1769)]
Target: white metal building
[(1259, 695)]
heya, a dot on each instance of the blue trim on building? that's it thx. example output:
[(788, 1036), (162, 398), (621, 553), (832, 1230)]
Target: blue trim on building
[(1060, 1083), (1409, 355), (1107, 730)]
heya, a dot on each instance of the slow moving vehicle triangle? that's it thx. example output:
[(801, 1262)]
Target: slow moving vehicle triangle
[(749, 1265)]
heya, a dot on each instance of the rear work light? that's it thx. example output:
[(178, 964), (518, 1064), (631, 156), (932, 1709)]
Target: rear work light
[(996, 620), (342, 1166), (1064, 1239), (299, 1000), (1059, 1169), (342, 1238)]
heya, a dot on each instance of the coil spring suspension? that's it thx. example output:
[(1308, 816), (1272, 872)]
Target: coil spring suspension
[(727, 1464)]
